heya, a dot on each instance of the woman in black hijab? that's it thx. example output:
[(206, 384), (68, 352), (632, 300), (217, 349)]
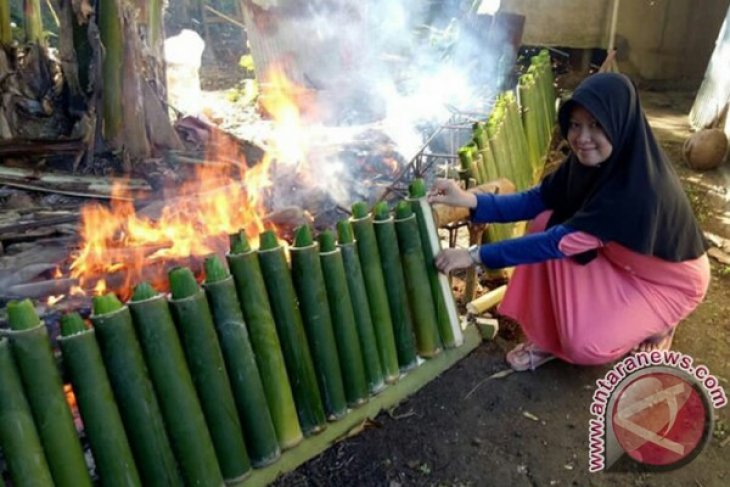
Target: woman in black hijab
[(614, 257)]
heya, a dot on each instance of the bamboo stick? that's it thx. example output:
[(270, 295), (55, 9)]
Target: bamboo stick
[(173, 384), (290, 327), (191, 313), (44, 390), (361, 307), (486, 301), (343, 320), (251, 291), (248, 390), (134, 393), (367, 247), (102, 421), (309, 285), (19, 438), (400, 310)]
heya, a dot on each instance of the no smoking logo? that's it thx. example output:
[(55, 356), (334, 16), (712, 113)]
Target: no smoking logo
[(661, 418)]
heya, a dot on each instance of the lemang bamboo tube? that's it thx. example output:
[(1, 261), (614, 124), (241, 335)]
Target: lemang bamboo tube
[(367, 247), (343, 321), (102, 421), (44, 391), (447, 318), (400, 310), (309, 285), (134, 392), (178, 401), (19, 439), (251, 290), (530, 119), (360, 306), (194, 321), (417, 283), (248, 391), (291, 331), (467, 163)]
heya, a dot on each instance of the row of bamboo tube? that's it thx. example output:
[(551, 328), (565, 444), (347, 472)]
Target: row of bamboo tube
[(514, 141), (199, 387)]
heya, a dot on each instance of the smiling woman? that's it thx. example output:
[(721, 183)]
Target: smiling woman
[(613, 258)]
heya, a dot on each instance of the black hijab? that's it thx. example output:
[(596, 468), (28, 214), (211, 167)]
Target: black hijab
[(634, 198)]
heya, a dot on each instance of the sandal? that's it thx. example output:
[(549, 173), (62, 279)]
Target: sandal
[(526, 356)]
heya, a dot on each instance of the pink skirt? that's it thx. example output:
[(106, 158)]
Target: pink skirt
[(596, 313)]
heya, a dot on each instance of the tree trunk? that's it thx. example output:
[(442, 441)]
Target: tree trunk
[(67, 53), (110, 29), (33, 22), (6, 33)]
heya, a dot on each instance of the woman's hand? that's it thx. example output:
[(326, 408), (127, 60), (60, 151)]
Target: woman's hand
[(452, 259), (448, 192)]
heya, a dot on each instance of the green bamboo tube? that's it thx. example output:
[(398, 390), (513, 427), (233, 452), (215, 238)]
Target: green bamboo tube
[(361, 307), (529, 119), (102, 421), (251, 291), (343, 321), (367, 247), (417, 283), (466, 161), (178, 401), (517, 135), (191, 314), (134, 393), (19, 439), (44, 391), (309, 285), (447, 318), (400, 310), (248, 391), (290, 328)]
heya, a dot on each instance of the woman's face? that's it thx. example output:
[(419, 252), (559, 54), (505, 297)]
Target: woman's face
[(587, 138)]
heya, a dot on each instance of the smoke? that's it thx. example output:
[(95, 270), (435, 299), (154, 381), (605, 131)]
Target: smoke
[(403, 65)]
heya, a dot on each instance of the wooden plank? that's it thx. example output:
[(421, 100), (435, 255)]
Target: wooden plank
[(84, 186), (390, 397)]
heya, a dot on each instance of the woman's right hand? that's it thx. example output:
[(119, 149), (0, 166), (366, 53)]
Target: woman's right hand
[(448, 192)]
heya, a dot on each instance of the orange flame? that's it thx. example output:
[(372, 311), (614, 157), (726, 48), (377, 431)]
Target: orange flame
[(121, 247)]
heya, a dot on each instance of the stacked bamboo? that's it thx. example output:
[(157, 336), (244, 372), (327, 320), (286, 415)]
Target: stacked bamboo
[(201, 386), (513, 142)]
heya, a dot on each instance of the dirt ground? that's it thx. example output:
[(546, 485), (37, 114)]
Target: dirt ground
[(532, 428)]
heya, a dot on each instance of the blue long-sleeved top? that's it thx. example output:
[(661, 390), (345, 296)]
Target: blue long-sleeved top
[(529, 249)]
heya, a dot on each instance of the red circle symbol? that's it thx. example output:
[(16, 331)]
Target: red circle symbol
[(659, 419)]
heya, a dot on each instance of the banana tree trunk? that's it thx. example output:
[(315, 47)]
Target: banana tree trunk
[(110, 30), (33, 22), (6, 34)]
